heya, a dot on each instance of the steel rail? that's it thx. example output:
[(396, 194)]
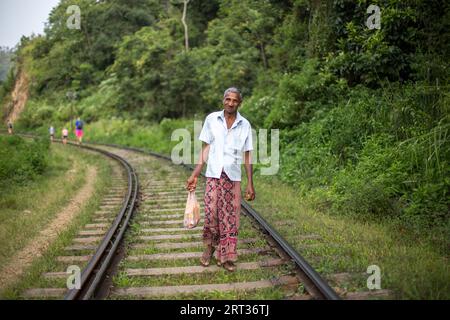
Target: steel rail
[(95, 270), (321, 285), (325, 290)]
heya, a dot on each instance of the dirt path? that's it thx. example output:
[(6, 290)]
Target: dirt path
[(37, 246), (19, 97)]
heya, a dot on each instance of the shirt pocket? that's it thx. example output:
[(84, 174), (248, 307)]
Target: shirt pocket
[(238, 140), (235, 149), (237, 145)]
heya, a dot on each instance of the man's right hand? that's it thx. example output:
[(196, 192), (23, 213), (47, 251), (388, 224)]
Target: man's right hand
[(191, 183)]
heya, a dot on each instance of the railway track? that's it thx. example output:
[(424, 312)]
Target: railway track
[(156, 258), (162, 257), (96, 244)]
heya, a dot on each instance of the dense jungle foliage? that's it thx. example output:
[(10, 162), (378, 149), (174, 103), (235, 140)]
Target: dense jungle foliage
[(21, 160), (363, 113)]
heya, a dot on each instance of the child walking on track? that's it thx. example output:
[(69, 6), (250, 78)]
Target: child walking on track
[(65, 133)]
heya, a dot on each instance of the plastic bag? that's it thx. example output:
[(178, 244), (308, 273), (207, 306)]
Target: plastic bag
[(192, 211)]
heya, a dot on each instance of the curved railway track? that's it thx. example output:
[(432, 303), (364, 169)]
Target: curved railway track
[(96, 245), (317, 287), (157, 258), (94, 273)]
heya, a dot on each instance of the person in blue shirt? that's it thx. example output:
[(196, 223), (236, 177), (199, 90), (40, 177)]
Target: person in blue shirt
[(79, 130), (227, 138)]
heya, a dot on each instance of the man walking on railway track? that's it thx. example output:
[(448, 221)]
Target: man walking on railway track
[(227, 136)]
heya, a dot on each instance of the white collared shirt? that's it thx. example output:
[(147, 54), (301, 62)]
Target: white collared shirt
[(226, 145)]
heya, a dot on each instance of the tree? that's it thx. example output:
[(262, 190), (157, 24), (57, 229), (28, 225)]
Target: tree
[(6, 56), (141, 67), (255, 21), (65, 55), (183, 20)]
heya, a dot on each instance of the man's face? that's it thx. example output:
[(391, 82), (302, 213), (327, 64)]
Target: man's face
[(231, 102)]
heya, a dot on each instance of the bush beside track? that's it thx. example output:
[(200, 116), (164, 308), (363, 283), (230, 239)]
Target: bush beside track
[(21, 160)]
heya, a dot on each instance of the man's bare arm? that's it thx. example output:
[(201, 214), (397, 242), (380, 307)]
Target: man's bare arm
[(250, 191), (191, 183)]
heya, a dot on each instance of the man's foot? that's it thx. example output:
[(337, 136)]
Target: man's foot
[(229, 266), (206, 256)]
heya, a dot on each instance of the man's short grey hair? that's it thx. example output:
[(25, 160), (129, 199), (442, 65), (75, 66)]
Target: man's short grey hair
[(232, 90)]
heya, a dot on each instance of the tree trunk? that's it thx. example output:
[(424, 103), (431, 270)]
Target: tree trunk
[(183, 20), (263, 55)]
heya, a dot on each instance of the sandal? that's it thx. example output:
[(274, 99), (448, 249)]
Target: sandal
[(207, 254), (229, 266)]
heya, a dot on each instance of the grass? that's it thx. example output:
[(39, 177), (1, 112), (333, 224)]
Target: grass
[(26, 209), (411, 267), (260, 294), (221, 276), (155, 137), (159, 169), (46, 204)]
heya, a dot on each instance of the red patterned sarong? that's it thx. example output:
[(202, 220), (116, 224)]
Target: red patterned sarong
[(222, 211)]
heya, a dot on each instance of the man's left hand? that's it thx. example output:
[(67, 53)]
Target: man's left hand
[(250, 193)]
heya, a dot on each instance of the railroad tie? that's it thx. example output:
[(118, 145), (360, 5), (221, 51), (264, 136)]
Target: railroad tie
[(201, 269), (70, 259), (156, 230), (94, 232), (44, 293), (189, 289), (169, 237), (187, 255)]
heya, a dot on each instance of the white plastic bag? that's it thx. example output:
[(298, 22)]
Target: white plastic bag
[(192, 211)]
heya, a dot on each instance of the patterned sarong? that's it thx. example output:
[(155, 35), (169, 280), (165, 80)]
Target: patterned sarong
[(222, 211)]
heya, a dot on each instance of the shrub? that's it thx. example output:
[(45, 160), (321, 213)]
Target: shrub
[(21, 160)]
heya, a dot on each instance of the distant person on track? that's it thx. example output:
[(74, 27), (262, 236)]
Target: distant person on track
[(79, 130), (51, 130), (227, 136), (65, 134), (10, 127)]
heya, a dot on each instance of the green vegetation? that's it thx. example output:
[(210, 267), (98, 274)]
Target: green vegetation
[(363, 113), (135, 133), (7, 76), (412, 265), (21, 160), (159, 168), (6, 56), (26, 209)]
